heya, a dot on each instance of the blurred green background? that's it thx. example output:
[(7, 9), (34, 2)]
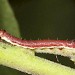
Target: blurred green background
[(41, 19), (45, 18)]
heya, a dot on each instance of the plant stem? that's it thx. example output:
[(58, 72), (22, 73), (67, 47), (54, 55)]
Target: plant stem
[(24, 60)]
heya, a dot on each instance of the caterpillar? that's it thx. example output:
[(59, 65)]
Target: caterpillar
[(58, 47)]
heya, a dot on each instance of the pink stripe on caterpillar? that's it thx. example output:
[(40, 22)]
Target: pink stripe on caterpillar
[(35, 43)]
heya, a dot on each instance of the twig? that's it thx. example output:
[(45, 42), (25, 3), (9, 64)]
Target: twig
[(24, 60)]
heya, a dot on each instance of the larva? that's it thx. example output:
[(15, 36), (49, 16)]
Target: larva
[(58, 47)]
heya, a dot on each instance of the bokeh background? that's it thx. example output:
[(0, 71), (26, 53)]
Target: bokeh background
[(44, 19)]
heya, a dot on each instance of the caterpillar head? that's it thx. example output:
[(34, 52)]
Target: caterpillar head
[(2, 32)]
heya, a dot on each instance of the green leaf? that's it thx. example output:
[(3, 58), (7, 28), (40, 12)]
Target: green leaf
[(7, 19)]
